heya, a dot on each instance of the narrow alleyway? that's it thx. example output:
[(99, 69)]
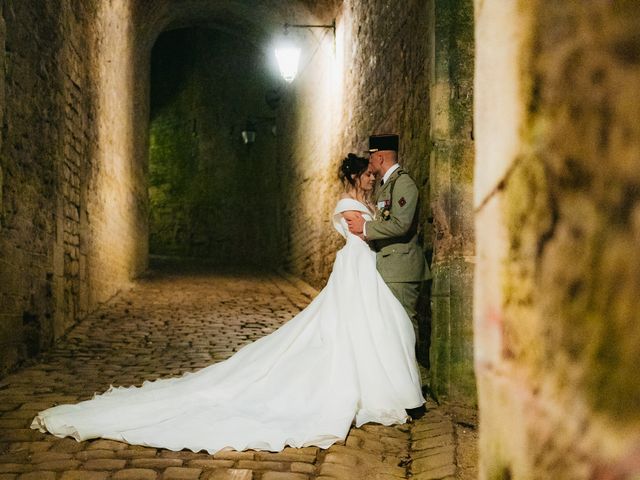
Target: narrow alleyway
[(170, 323)]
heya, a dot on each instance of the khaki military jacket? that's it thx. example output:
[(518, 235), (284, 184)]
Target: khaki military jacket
[(393, 232)]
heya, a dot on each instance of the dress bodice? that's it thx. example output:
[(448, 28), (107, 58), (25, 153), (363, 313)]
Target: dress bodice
[(345, 205)]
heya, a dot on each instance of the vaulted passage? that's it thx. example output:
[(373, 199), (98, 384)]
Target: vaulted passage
[(211, 195), (160, 133)]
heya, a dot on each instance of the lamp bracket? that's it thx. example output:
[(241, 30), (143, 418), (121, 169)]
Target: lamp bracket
[(290, 25)]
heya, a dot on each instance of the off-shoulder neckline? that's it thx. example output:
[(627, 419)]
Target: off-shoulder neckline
[(351, 199)]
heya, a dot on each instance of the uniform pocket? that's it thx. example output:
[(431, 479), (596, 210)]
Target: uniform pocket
[(396, 248)]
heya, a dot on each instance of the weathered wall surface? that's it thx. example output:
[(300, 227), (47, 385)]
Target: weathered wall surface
[(307, 161), (117, 210), (56, 229), (451, 179), (558, 199), (211, 195), (41, 150)]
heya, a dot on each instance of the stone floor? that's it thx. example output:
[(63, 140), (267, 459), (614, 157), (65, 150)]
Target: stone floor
[(172, 322)]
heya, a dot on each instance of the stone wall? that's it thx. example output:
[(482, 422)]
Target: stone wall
[(308, 155), (451, 178), (57, 236), (212, 196), (40, 163), (558, 200), (117, 198)]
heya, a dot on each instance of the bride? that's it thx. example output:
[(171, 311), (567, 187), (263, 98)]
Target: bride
[(347, 358)]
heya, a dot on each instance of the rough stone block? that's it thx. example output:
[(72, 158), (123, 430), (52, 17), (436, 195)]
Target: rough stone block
[(104, 464), (417, 454), (290, 455), (106, 445), (233, 455), (93, 454), (84, 475), (155, 462), (210, 464), (59, 465), (335, 470), (342, 459), (437, 473), (134, 453), (433, 462), (40, 457), (13, 467), (181, 473), (261, 465), (303, 468), (229, 474), (38, 475), (446, 430), (68, 445), (284, 476), (135, 474), (432, 442)]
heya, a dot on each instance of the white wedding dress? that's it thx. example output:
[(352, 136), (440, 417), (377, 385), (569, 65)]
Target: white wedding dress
[(348, 357)]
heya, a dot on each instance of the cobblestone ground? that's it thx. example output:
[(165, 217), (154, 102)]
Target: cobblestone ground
[(170, 323)]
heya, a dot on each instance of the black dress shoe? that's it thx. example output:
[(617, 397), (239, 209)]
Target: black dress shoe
[(417, 413)]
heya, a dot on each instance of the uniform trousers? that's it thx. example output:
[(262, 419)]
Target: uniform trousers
[(407, 293)]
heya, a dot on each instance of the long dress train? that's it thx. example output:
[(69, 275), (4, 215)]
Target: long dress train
[(347, 358)]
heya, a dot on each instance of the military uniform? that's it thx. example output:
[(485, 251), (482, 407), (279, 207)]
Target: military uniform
[(393, 235), (393, 232)]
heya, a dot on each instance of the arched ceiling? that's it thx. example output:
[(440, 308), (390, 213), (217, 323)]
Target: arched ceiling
[(255, 20)]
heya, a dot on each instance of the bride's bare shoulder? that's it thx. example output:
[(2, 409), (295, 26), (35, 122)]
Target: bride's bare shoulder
[(344, 196)]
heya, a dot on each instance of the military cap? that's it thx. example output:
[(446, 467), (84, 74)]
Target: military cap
[(383, 141)]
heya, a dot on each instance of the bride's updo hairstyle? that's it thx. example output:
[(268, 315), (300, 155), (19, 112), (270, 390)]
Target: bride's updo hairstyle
[(351, 168)]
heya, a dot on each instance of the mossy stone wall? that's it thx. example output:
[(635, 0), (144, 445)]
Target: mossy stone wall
[(451, 178), (558, 201), (211, 195)]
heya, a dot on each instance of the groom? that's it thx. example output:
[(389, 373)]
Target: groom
[(393, 232)]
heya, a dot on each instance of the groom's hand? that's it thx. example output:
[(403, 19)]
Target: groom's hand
[(356, 224)]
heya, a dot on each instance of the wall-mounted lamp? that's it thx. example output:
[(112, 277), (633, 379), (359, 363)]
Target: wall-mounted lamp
[(249, 132), (288, 54)]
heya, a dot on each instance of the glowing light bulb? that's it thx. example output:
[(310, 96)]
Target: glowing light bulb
[(288, 57)]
